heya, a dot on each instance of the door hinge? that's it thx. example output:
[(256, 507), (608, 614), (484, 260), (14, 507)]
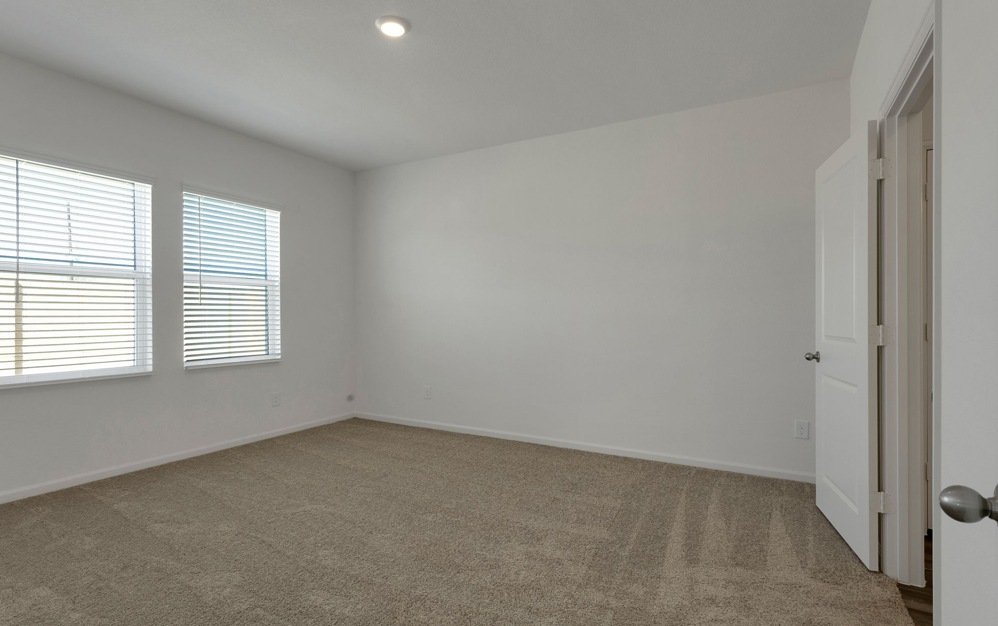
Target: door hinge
[(878, 169), (879, 335), (880, 502), (928, 473)]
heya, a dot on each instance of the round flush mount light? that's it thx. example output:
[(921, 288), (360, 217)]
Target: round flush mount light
[(392, 26)]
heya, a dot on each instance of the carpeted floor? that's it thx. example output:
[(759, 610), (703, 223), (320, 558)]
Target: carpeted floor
[(367, 523)]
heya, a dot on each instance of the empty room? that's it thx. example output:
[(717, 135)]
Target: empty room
[(469, 312)]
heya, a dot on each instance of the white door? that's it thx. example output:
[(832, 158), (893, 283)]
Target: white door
[(846, 426), (966, 558)]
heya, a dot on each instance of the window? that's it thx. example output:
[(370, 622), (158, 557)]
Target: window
[(74, 274), (232, 282)]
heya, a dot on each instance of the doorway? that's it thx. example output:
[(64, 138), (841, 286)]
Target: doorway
[(919, 127), (905, 299)]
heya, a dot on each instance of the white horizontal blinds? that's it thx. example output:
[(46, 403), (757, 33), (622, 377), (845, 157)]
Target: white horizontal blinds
[(232, 281), (74, 274)]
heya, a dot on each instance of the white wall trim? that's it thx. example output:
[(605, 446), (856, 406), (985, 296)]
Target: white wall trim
[(902, 453), (738, 468), (126, 468), (915, 51)]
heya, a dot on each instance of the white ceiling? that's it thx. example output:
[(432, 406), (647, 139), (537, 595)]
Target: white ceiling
[(315, 75)]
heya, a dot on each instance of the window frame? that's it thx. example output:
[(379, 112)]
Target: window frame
[(142, 274), (274, 327)]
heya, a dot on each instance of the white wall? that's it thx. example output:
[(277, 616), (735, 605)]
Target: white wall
[(56, 435), (646, 286), (891, 26), (967, 92)]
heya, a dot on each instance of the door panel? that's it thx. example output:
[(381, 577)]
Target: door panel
[(845, 429), (966, 392)]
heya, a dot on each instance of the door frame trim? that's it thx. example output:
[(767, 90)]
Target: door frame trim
[(902, 452)]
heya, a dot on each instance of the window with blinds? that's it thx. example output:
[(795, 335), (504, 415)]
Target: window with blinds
[(75, 274), (232, 282)]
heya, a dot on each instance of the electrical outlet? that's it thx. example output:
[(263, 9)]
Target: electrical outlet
[(427, 392), (802, 429), (275, 399)]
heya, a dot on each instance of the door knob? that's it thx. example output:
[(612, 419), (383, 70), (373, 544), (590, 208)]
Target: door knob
[(966, 505), (813, 356)]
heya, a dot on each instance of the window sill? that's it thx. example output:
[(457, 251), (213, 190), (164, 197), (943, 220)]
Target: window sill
[(35, 380), (228, 362)]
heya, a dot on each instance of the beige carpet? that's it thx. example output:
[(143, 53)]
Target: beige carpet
[(368, 523)]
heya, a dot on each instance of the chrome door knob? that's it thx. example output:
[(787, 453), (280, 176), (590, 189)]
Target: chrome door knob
[(966, 505), (813, 356)]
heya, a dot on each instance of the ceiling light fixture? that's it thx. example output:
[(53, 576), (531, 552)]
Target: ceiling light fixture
[(392, 26)]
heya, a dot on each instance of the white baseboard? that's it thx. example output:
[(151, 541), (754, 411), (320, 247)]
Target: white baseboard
[(88, 477), (739, 468)]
